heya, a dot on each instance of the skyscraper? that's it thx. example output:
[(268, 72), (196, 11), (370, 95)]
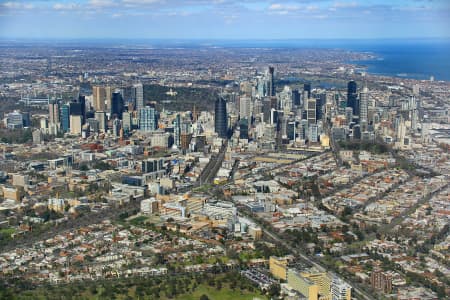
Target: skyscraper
[(138, 93), (100, 116), (65, 117), (99, 95), (148, 119), (53, 112), (108, 98), (117, 105), (271, 81), (245, 107), (363, 108), (220, 117), (352, 99), (126, 121), (307, 89), (311, 112), (177, 130), (78, 108)]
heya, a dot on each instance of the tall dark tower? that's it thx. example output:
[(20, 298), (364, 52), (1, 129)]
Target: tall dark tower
[(307, 88), (117, 105), (271, 81), (220, 117), (352, 97), (78, 108)]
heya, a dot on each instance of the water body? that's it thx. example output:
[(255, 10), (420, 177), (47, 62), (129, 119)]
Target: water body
[(410, 59), (407, 58)]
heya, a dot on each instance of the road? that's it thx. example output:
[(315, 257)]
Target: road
[(273, 236)]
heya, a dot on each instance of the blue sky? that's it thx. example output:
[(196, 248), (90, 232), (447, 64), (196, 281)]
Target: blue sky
[(224, 19)]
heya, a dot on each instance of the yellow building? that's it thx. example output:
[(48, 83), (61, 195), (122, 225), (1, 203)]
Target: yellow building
[(321, 279), (11, 193), (303, 285), (278, 267)]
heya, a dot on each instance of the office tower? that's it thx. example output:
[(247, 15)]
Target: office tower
[(99, 97), (271, 81), (291, 130), (126, 121), (65, 117), (243, 128), (363, 108), (53, 112), (221, 117), (117, 106), (116, 126), (321, 101), (285, 100), (296, 97), (349, 115), (100, 116), (352, 99), (93, 125), (313, 133), (78, 108), (177, 130), (307, 89), (108, 97), (76, 123), (148, 119), (245, 107), (138, 95), (274, 114), (311, 111)]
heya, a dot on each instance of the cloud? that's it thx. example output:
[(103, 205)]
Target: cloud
[(65, 6), (283, 7), (101, 3), (345, 4), (17, 5)]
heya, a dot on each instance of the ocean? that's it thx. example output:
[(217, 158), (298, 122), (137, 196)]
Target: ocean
[(408, 59)]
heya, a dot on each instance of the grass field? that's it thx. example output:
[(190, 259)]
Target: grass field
[(223, 294)]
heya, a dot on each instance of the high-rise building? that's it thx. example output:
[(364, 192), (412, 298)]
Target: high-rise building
[(363, 107), (352, 98), (93, 125), (177, 130), (243, 128), (307, 89), (148, 119), (53, 112), (65, 118), (99, 97), (271, 81), (138, 93), (108, 97), (340, 290), (296, 98), (117, 106), (76, 123), (126, 121), (78, 108), (312, 111), (100, 116), (245, 107), (116, 126), (221, 117)]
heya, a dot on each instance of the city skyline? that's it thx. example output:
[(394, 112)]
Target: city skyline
[(224, 19)]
